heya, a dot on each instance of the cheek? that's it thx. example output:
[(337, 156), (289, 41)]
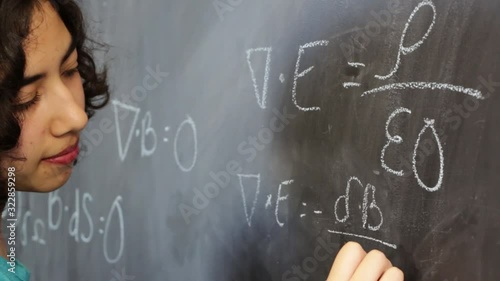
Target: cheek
[(31, 132)]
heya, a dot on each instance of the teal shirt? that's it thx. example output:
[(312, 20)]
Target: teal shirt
[(21, 272)]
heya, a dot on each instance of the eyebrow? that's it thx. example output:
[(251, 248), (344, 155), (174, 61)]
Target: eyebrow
[(33, 78)]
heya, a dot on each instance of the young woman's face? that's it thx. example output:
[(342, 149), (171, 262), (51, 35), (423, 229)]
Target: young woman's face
[(52, 124)]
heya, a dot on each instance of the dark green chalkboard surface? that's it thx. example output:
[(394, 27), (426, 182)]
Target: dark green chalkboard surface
[(249, 140)]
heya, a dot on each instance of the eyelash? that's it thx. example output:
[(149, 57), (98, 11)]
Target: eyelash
[(71, 72), (27, 105)]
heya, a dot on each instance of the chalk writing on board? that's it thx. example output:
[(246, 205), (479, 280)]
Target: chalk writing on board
[(268, 201), (403, 51), (373, 206), (408, 50), (123, 149), (147, 130), (188, 122), (282, 78), (348, 85), (356, 64), (167, 129), (249, 214), (250, 188), (427, 86), (392, 139), (261, 97), (298, 75), (370, 206), (149, 138), (316, 212), (39, 232), (279, 199), (366, 207), (81, 223), (364, 237), (345, 197), (115, 208), (429, 124)]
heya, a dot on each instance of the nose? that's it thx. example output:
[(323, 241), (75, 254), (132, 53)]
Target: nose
[(68, 109)]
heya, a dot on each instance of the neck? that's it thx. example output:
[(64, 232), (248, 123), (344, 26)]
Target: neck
[(3, 243)]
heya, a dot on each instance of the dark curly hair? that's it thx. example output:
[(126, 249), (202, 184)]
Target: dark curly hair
[(15, 20)]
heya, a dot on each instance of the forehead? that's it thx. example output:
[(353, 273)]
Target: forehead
[(48, 38)]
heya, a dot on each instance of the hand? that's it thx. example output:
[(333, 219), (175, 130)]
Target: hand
[(354, 264)]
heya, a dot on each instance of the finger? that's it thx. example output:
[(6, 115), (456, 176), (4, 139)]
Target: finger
[(346, 262), (372, 267), (393, 274)]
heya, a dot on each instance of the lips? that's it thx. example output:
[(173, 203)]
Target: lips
[(65, 157)]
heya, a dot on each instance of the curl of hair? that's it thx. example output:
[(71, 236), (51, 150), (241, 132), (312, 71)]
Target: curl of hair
[(15, 20)]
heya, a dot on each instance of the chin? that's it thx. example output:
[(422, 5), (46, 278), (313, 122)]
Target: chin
[(49, 185), (49, 188), (54, 186)]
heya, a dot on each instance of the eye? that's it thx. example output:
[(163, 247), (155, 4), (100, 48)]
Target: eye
[(27, 105), (71, 72)]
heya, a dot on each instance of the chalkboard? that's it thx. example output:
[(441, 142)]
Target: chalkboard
[(249, 140)]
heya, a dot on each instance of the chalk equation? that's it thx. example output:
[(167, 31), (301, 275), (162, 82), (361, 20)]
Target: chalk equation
[(249, 204), (342, 212), (261, 92), (250, 188), (83, 224), (148, 134), (369, 195), (429, 125)]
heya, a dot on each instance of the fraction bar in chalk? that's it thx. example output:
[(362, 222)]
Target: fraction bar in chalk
[(351, 84), (364, 237), (427, 86), (356, 64)]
